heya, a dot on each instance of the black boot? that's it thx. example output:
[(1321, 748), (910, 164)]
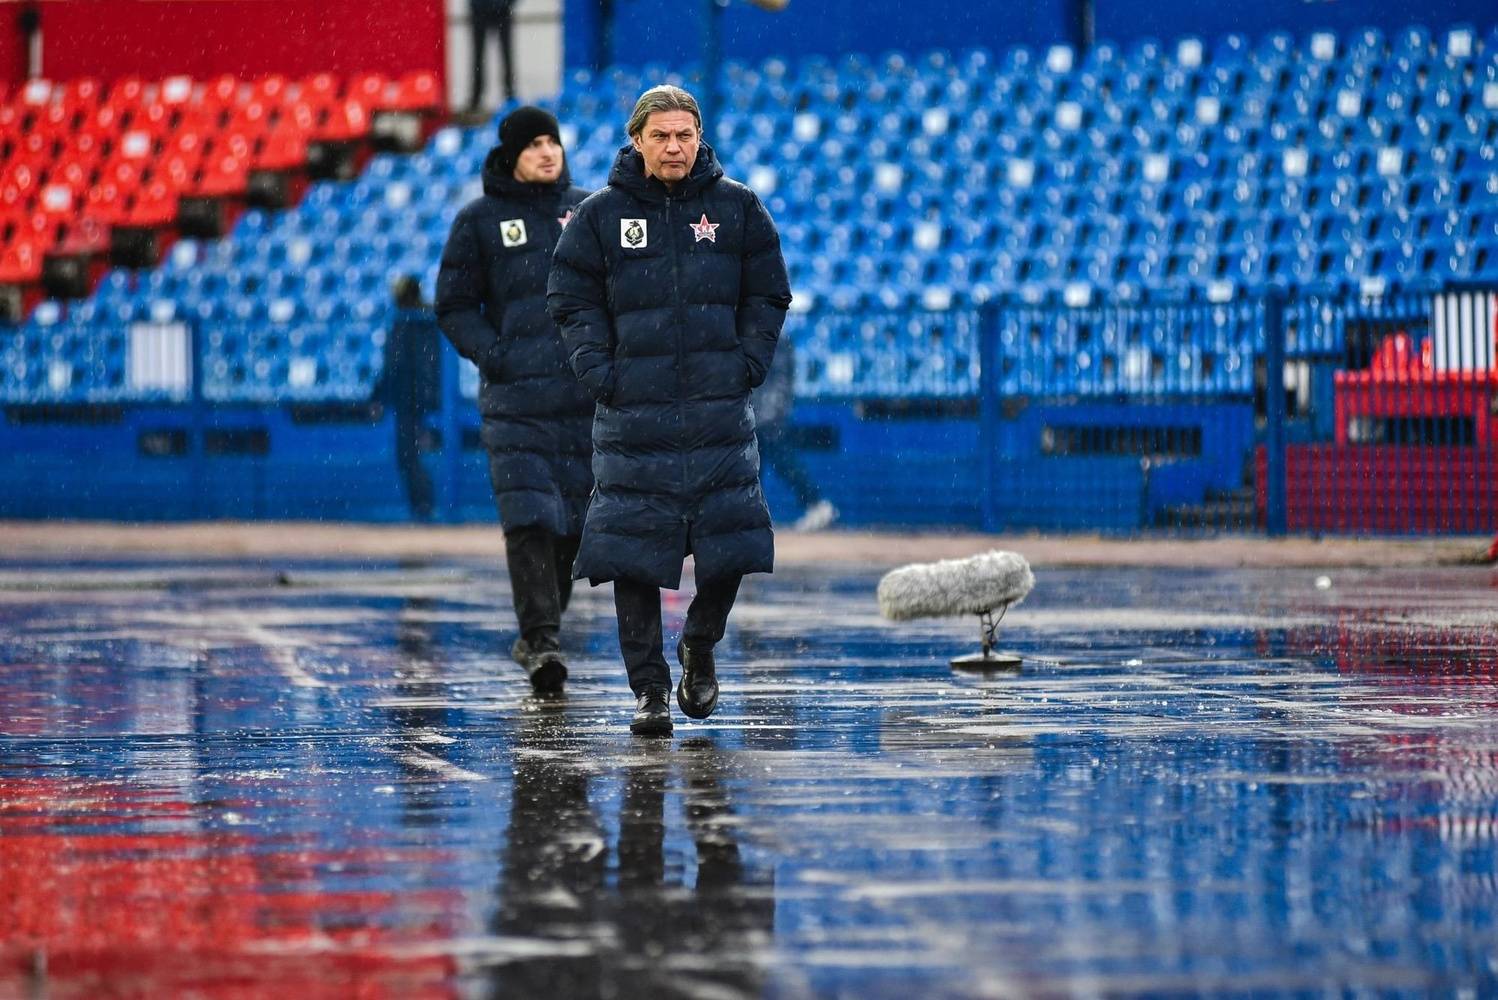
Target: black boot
[(652, 713), (697, 691), (547, 669)]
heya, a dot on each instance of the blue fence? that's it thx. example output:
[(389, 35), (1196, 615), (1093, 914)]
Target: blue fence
[(1063, 413)]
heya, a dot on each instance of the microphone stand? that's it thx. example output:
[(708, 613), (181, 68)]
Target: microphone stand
[(990, 661)]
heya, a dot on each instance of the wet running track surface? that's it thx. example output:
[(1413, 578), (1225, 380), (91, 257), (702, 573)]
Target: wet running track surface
[(323, 780)]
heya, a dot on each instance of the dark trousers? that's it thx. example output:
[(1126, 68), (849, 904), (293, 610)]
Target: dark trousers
[(779, 454), (639, 608), (482, 25), (421, 494), (541, 580)]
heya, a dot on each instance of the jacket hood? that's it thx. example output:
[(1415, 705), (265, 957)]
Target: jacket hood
[(628, 173), (501, 183)]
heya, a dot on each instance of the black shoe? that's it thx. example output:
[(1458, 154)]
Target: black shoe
[(652, 713), (546, 668), (697, 691)]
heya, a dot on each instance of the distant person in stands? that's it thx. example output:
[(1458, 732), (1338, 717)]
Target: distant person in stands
[(537, 428), (772, 403), (670, 290), (496, 17), (411, 387)]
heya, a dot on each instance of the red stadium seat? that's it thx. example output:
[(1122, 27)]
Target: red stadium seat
[(12, 127), (86, 237), (188, 143), (35, 94), (284, 149), (210, 105), (21, 177), (126, 94), (87, 168), (85, 149), (177, 92), (154, 207), (81, 96), (419, 90), (304, 116), (347, 120), (272, 90), (179, 171), (73, 175), (125, 174), (369, 89), (37, 146), (13, 199), (154, 116), (105, 121), (254, 120), (225, 175), (137, 145), (55, 122), (42, 230), (107, 204), (58, 200), (321, 89), (237, 143), (20, 263)]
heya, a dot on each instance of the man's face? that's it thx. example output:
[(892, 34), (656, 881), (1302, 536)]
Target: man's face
[(540, 162), (669, 144)]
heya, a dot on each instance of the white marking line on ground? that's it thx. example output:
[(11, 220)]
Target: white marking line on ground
[(280, 651), (424, 761)]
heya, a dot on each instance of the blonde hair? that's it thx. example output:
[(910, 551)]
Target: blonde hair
[(662, 98)]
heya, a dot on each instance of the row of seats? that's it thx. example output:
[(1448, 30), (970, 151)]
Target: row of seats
[(883, 355), (1148, 67), (77, 160), (902, 185), (100, 359)]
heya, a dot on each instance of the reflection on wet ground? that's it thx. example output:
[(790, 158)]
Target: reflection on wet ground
[(321, 780)]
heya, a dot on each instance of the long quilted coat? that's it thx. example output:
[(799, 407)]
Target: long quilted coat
[(491, 303), (670, 304)]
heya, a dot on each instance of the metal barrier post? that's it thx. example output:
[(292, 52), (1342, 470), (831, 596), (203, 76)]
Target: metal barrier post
[(1274, 413), (197, 421), (988, 412)]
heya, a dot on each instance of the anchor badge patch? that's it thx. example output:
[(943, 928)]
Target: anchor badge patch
[(633, 234), (512, 231)]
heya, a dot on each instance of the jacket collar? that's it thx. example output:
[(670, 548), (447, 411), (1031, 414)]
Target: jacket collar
[(629, 175), (499, 183)]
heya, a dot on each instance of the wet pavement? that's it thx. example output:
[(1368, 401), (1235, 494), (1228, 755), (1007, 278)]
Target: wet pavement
[(319, 779)]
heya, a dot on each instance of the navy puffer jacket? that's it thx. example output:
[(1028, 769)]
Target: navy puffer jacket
[(670, 303), (491, 303)]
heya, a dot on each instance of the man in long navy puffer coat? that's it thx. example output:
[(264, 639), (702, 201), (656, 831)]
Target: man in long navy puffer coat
[(670, 290), (491, 303)]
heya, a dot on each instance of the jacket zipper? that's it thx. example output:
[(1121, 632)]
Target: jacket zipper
[(681, 361)]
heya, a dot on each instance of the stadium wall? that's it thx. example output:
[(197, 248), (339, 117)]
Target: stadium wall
[(109, 39)]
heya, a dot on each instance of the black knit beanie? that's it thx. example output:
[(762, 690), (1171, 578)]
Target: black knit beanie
[(519, 128)]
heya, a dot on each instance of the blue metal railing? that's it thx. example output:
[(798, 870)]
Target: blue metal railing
[(1319, 412)]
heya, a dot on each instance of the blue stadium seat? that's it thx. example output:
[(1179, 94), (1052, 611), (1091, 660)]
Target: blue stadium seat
[(936, 180)]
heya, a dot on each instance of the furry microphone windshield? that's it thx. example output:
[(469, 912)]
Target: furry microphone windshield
[(978, 585), (955, 586)]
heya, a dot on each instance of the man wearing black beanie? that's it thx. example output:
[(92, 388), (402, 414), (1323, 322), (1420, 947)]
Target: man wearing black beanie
[(537, 419)]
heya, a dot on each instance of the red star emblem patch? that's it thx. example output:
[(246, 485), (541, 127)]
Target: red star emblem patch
[(704, 230)]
